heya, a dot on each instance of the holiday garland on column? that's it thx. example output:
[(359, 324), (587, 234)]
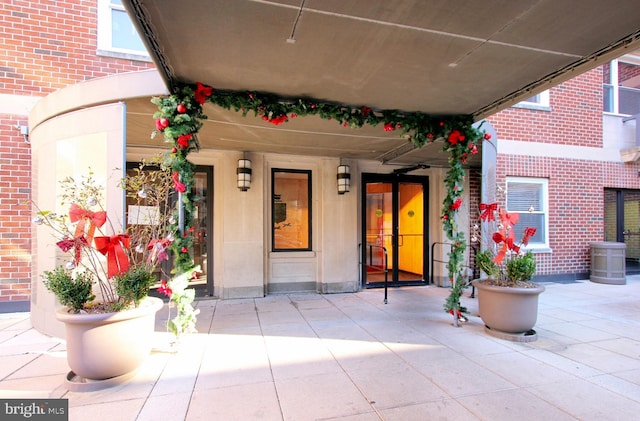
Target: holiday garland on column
[(180, 115)]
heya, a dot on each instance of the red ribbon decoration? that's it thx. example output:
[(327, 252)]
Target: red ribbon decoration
[(528, 233), (488, 211), (76, 243), (158, 249), (80, 215), (113, 247)]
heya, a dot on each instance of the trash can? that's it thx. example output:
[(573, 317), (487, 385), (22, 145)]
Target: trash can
[(608, 263)]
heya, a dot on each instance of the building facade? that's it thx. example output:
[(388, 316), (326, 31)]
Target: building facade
[(564, 160), (46, 46)]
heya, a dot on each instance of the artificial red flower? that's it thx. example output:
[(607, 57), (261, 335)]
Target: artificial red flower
[(179, 186), (164, 289), (455, 136), (365, 111), (202, 93), (183, 140), (456, 205), (276, 121), (389, 127)]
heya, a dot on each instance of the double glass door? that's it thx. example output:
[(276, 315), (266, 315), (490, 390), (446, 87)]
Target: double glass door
[(395, 229)]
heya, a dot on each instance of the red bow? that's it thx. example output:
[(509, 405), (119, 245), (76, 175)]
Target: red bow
[(80, 215), (76, 243), (508, 244), (488, 211), (113, 247)]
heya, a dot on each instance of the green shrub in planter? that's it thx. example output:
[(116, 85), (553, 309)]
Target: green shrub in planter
[(521, 269), (133, 285), (73, 293)]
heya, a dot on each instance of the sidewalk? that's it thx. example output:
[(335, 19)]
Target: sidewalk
[(351, 357)]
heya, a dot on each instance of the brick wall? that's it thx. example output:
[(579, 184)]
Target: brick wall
[(575, 116), (46, 45), (576, 186), (15, 230)]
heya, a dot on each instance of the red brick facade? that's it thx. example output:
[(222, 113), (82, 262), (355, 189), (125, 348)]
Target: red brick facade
[(46, 45), (575, 186)]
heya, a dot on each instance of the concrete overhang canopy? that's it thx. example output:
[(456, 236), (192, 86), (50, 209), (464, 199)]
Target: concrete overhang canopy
[(439, 57)]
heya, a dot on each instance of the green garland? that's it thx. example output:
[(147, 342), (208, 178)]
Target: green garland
[(180, 116)]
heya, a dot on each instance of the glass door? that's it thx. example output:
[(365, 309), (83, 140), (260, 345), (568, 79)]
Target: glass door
[(622, 223), (202, 221), (395, 235)]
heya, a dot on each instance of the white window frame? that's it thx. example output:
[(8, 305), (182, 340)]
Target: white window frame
[(541, 104), (544, 185), (105, 47)]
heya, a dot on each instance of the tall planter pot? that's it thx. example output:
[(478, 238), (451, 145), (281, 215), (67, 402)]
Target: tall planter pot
[(509, 311), (108, 345)]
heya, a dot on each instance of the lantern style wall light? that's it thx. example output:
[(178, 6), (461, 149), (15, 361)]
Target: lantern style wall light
[(344, 178), (244, 174)]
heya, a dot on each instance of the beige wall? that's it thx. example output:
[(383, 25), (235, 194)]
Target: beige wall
[(70, 145)]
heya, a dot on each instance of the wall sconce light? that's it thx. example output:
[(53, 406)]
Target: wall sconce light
[(244, 174), (344, 179)]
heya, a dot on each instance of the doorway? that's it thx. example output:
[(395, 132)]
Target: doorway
[(395, 234), (202, 188), (622, 223)]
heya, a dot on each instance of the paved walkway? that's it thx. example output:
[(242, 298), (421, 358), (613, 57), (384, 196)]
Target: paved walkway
[(351, 357)]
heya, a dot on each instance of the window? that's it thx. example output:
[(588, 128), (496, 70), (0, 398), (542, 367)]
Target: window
[(528, 197), (117, 37), (621, 85), (291, 210), (539, 102)]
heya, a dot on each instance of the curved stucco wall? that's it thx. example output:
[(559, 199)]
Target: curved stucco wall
[(72, 130)]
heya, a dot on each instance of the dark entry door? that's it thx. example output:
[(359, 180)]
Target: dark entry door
[(395, 230), (622, 223), (202, 223)]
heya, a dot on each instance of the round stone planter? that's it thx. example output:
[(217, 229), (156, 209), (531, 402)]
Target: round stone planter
[(509, 312), (109, 345)]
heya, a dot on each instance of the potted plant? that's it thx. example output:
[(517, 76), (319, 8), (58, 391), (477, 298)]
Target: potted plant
[(109, 318), (507, 299)]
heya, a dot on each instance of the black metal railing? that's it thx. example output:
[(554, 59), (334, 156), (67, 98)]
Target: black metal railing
[(472, 272), (381, 265)]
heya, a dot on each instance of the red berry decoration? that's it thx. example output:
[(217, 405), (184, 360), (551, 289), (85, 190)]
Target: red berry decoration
[(174, 150), (164, 122), (487, 136), (181, 108)]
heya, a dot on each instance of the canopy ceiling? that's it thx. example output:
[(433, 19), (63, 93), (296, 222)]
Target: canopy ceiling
[(434, 56)]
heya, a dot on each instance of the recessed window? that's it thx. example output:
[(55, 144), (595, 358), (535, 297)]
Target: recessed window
[(291, 210), (117, 37), (528, 197), (539, 102)]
